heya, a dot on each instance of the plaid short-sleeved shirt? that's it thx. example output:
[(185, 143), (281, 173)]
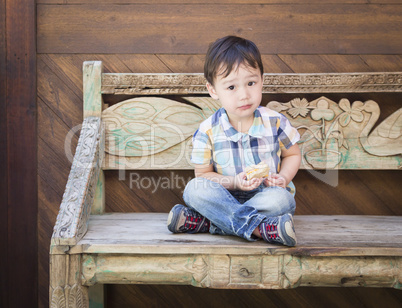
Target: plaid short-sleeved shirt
[(217, 142)]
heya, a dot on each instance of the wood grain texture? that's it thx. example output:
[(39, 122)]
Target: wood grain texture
[(119, 249), (92, 106), (3, 158), (126, 233), (65, 288), (21, 168), (241, 272), (144, 190), (337, 28), (47, 212), (365, 192), (65, 2), (341, 63), (61, 90), (68, 67), (166, 296), (92, 75)]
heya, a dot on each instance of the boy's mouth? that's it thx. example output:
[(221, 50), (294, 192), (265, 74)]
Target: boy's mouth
[(245, 107)]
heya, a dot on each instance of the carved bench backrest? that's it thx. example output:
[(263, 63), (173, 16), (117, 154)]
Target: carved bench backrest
[(148, 132), (154, 132)]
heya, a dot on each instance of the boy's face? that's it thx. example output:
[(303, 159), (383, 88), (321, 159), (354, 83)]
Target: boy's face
[(240, 93)]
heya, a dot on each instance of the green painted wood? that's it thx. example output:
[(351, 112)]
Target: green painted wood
[(340, 135), (92, 77), (97, 296), (334, 135), (98, 206), (149, 125)]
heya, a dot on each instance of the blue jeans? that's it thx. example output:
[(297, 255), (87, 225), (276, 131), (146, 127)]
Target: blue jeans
[(236, 212)]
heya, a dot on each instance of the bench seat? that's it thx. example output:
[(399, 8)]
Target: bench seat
[(331, 251), (317, 235)]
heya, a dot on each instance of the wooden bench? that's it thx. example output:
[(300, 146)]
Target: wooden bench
[(90, 248)]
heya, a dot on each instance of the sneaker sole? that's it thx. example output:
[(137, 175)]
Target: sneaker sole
[(173, 217), (288, 229)]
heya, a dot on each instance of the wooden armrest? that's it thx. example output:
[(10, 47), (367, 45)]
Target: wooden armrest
[(72, 220)]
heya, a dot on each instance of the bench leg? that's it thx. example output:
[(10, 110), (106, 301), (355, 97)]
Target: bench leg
[(97, 296), (66, 289)]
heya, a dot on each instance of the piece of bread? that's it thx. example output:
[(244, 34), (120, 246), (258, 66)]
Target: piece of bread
[(257, 171)]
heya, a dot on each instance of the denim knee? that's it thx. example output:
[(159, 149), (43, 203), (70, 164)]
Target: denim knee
[(198, 189), (273, 201), (287, 200), (194, 186)]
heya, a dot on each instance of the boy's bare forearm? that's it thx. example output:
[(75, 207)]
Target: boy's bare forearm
[(290, 165), (226, 181), (207, 172), (238, 182)]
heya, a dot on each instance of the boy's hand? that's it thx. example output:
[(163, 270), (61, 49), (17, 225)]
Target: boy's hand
[(275, 179), (241, 182)]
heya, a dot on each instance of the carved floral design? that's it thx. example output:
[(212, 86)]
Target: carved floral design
[(299, 107), (350, 113), (339, 125), (323, 134)]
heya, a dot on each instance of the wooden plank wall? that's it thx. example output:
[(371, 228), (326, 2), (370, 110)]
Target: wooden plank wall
[(3, 157), (172, 36), (18, 155)]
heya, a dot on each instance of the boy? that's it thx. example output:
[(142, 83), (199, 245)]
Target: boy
[(220, 199)]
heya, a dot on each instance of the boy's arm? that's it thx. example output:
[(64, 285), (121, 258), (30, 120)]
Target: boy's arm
[(291, 159), (229, 182)]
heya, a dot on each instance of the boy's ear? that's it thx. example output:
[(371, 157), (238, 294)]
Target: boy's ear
[(211, 91)]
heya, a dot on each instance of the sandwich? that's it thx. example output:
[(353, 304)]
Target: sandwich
[(257, 171)]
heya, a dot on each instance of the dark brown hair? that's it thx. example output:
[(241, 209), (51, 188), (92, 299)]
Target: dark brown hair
[(228, 53)]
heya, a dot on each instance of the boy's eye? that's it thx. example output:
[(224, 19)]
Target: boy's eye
[(251, 83), (231, 88)]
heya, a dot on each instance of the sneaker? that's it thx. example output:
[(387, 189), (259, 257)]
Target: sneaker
[(279, 229), (185, 220)]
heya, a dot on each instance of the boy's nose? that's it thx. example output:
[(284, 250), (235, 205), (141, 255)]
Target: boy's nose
[(244, 94)]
